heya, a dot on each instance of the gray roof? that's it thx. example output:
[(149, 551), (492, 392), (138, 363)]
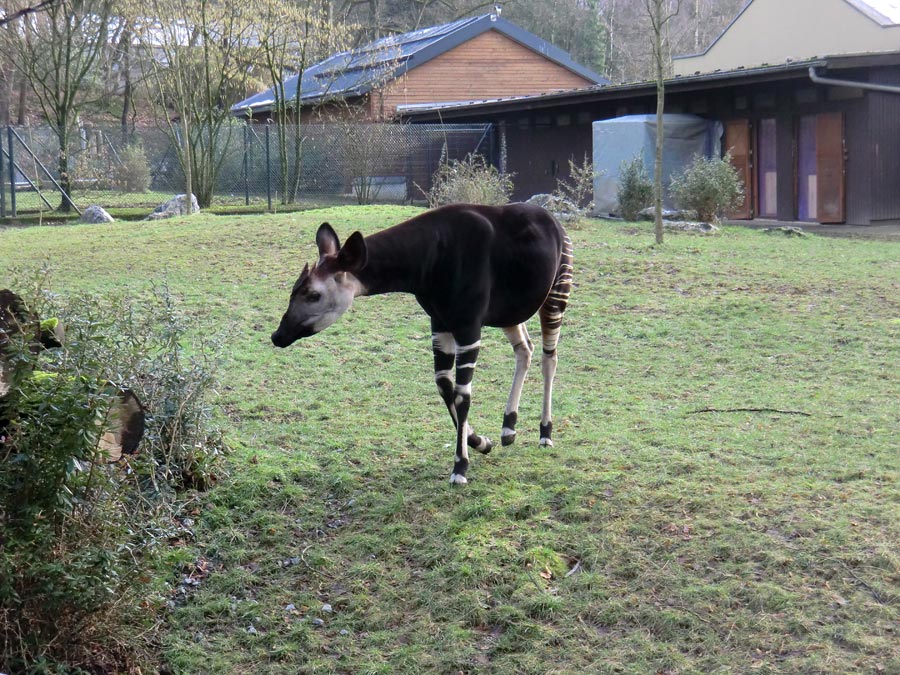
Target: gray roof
[(356, 72)]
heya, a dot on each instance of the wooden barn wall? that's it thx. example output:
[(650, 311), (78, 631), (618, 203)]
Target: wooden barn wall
[(538, 153), (489, 65), (858, 166), (884, 127)]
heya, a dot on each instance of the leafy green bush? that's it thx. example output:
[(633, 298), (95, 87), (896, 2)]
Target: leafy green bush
[(709, 187), (635, 191), (76, 529), (469, 181), (134, 172)]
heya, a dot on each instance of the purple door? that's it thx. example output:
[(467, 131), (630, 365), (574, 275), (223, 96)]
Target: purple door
[(807, 179), (766, 165)]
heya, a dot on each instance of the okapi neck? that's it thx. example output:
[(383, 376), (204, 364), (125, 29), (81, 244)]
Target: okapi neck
[(395, 261)]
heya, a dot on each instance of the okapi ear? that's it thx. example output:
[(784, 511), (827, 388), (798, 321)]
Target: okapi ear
[(353, 255), (327, 240)]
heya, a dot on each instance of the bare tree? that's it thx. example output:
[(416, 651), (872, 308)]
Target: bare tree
[(293, 36), (661, 12), (25, 11), (56, 53), (196, 64)]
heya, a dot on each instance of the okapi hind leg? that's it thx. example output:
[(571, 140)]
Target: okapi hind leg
[(523, 349), (551, 314)]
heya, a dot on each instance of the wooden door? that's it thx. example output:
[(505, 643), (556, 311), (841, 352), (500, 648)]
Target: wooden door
[(830, 168), (737, 142)]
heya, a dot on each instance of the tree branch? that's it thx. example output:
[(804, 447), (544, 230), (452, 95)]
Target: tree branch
[(27, 10)]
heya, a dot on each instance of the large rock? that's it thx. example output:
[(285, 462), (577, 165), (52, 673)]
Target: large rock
[(96, 214), (562, 208), (173, 207)]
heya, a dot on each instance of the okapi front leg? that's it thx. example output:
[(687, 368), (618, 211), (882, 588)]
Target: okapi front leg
[(466, 359), (444, 348)]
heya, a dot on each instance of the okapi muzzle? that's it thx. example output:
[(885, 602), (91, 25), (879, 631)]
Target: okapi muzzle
[(322, 294)]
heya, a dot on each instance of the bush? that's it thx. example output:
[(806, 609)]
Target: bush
[(134, 172), (578, 189), (469, 181), (709, 187), (76, 531), (635, 191)]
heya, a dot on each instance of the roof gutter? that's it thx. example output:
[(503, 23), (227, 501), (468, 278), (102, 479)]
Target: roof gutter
[(868, 86)]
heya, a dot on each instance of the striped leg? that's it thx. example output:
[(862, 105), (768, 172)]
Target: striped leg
[(457, 396), (466, 357), (523, 348), (551, 314)]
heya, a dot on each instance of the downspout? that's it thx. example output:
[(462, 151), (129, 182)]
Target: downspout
[(884, 88)]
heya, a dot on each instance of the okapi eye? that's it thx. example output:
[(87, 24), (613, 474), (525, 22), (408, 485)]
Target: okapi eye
[(312, 296)]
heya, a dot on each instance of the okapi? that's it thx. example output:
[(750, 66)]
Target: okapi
[(468, 266)]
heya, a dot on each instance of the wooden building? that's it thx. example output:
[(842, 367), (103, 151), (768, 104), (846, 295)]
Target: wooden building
[(469, 59), (816, 141), (775, 31)]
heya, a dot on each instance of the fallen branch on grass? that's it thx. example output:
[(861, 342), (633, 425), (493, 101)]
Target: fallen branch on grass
[(754, 410)]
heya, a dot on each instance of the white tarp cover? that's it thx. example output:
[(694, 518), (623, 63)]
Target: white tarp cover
[(621, 139)]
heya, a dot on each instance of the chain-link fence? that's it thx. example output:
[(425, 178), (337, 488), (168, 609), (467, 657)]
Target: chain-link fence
[(252, 164)]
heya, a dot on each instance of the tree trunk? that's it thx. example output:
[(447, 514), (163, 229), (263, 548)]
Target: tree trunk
[(660, 137), (188, 164), (65, 180)]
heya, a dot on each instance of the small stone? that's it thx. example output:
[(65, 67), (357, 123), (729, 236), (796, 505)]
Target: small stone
[(326, 609), (318, 623), (344, 631), (251, 629), (290, 608)]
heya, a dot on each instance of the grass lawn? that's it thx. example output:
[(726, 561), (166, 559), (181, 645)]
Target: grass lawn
[(670, 530)]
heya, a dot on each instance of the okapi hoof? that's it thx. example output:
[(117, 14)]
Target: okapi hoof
[(508, 439), (457, 479), (482, 444), (546, 431)]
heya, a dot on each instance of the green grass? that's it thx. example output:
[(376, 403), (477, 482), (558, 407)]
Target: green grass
[(31, 210), (655, 537)]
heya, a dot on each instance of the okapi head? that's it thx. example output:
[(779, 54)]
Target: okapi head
[(322, 294)]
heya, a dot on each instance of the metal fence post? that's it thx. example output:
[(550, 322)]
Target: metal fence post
[(12, 173), (2, 190), (268, 170), (246, 164)]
